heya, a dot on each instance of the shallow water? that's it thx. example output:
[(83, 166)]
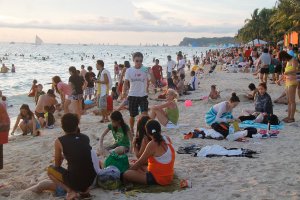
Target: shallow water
[(16, 85)]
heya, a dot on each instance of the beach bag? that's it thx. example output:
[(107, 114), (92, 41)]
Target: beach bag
[(222, 128), (119, 161), (273, 119), (109, 178)]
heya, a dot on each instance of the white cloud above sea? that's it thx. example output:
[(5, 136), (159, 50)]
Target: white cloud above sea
[(205, 17)]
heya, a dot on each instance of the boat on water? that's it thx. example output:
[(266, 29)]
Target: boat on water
[(38, 40)]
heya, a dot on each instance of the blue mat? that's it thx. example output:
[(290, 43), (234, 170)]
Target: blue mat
[(251, 123)]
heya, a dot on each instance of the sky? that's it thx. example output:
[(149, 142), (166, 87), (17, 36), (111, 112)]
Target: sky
[(123, 22)]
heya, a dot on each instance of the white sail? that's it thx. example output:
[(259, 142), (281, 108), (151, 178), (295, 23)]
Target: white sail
[(38, 40)]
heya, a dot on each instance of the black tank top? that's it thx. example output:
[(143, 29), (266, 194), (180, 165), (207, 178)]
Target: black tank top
[(77, 152)]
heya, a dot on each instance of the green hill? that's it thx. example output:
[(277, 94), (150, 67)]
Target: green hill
[(205, 42)]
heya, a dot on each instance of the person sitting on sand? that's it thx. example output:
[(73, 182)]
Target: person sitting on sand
[(263, 104), (282, 99), (33, 89), (64, 90), (29, 123), (222, 112), (167, 113), (214, 93), (193, 85), (45, 100), (160, 156), (180, 85), (253, 92), (141, 139), (196, 66), (75, 148), (121, 133)]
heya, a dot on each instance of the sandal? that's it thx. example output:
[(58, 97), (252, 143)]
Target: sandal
[(289, 121)]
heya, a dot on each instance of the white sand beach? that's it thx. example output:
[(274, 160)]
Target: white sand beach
[(274, 174)]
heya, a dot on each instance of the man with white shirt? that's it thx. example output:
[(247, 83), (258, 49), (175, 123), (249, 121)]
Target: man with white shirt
[(138, 79), (170, 66), (181, 64)]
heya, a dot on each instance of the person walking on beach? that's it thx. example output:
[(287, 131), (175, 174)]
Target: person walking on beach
[(138, 78), (103, 85), (76, 82), (158, 75), (170, 66), (4, 130), (116, 70), (181, 64), (90, 77), (264, 61)]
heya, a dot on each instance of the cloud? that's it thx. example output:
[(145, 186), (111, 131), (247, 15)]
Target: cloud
[(145, 15), (121, 24)]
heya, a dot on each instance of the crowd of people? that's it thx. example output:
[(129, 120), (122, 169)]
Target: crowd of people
[(153, 150)]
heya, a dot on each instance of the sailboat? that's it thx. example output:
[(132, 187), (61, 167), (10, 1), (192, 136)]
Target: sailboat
[(38, 40)]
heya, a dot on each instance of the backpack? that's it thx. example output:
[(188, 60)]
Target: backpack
[(222, 128)]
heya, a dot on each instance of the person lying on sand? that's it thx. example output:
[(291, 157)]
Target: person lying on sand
[(29, 123), (121, 134), (282, 99), (159, 172), (167, 113)]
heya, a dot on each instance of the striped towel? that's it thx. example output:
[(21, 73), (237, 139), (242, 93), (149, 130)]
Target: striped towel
[(210, 116)]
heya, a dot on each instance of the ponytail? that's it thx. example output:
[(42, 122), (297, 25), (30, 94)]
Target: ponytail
[(154, 129), (234, 98)]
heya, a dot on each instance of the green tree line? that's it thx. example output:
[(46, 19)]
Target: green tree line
[(271, 24)]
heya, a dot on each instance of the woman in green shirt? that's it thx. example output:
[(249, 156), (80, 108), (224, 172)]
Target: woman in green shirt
[(167, 113), (121, 134)]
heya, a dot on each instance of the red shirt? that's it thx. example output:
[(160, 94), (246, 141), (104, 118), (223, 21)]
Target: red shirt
[(157, 71), (247, 53)]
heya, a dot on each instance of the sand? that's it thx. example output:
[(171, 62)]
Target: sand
[(275, 174)]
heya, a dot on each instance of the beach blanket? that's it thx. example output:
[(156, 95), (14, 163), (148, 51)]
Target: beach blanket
[(251, 123), (219, 151)]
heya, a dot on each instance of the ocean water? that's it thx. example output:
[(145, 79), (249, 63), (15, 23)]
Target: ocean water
[(15, 86)]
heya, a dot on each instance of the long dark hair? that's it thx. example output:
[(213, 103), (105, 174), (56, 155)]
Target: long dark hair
[(284, 56), (154, 129), (56, 80), (26, 107), (234, 98), (141, 130), (117, 116)]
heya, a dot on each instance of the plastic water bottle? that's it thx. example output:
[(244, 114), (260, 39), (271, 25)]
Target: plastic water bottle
[(231, 129)]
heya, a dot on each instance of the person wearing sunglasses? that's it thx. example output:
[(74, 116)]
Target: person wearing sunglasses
[(137, 78)]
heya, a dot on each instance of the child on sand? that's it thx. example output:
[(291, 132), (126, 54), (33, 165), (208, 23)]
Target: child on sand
[(38, 93), (193, 85), (29, 123), (253, 92), (167, 113), (160, 156), (33, 89), (49, 118), (214, 93), (141, 139), (121, 134)]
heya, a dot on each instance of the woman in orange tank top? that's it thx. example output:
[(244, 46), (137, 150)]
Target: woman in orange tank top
[(160, 156)]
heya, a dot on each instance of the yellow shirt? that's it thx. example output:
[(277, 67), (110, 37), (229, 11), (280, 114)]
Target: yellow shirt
[(195, 68)]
